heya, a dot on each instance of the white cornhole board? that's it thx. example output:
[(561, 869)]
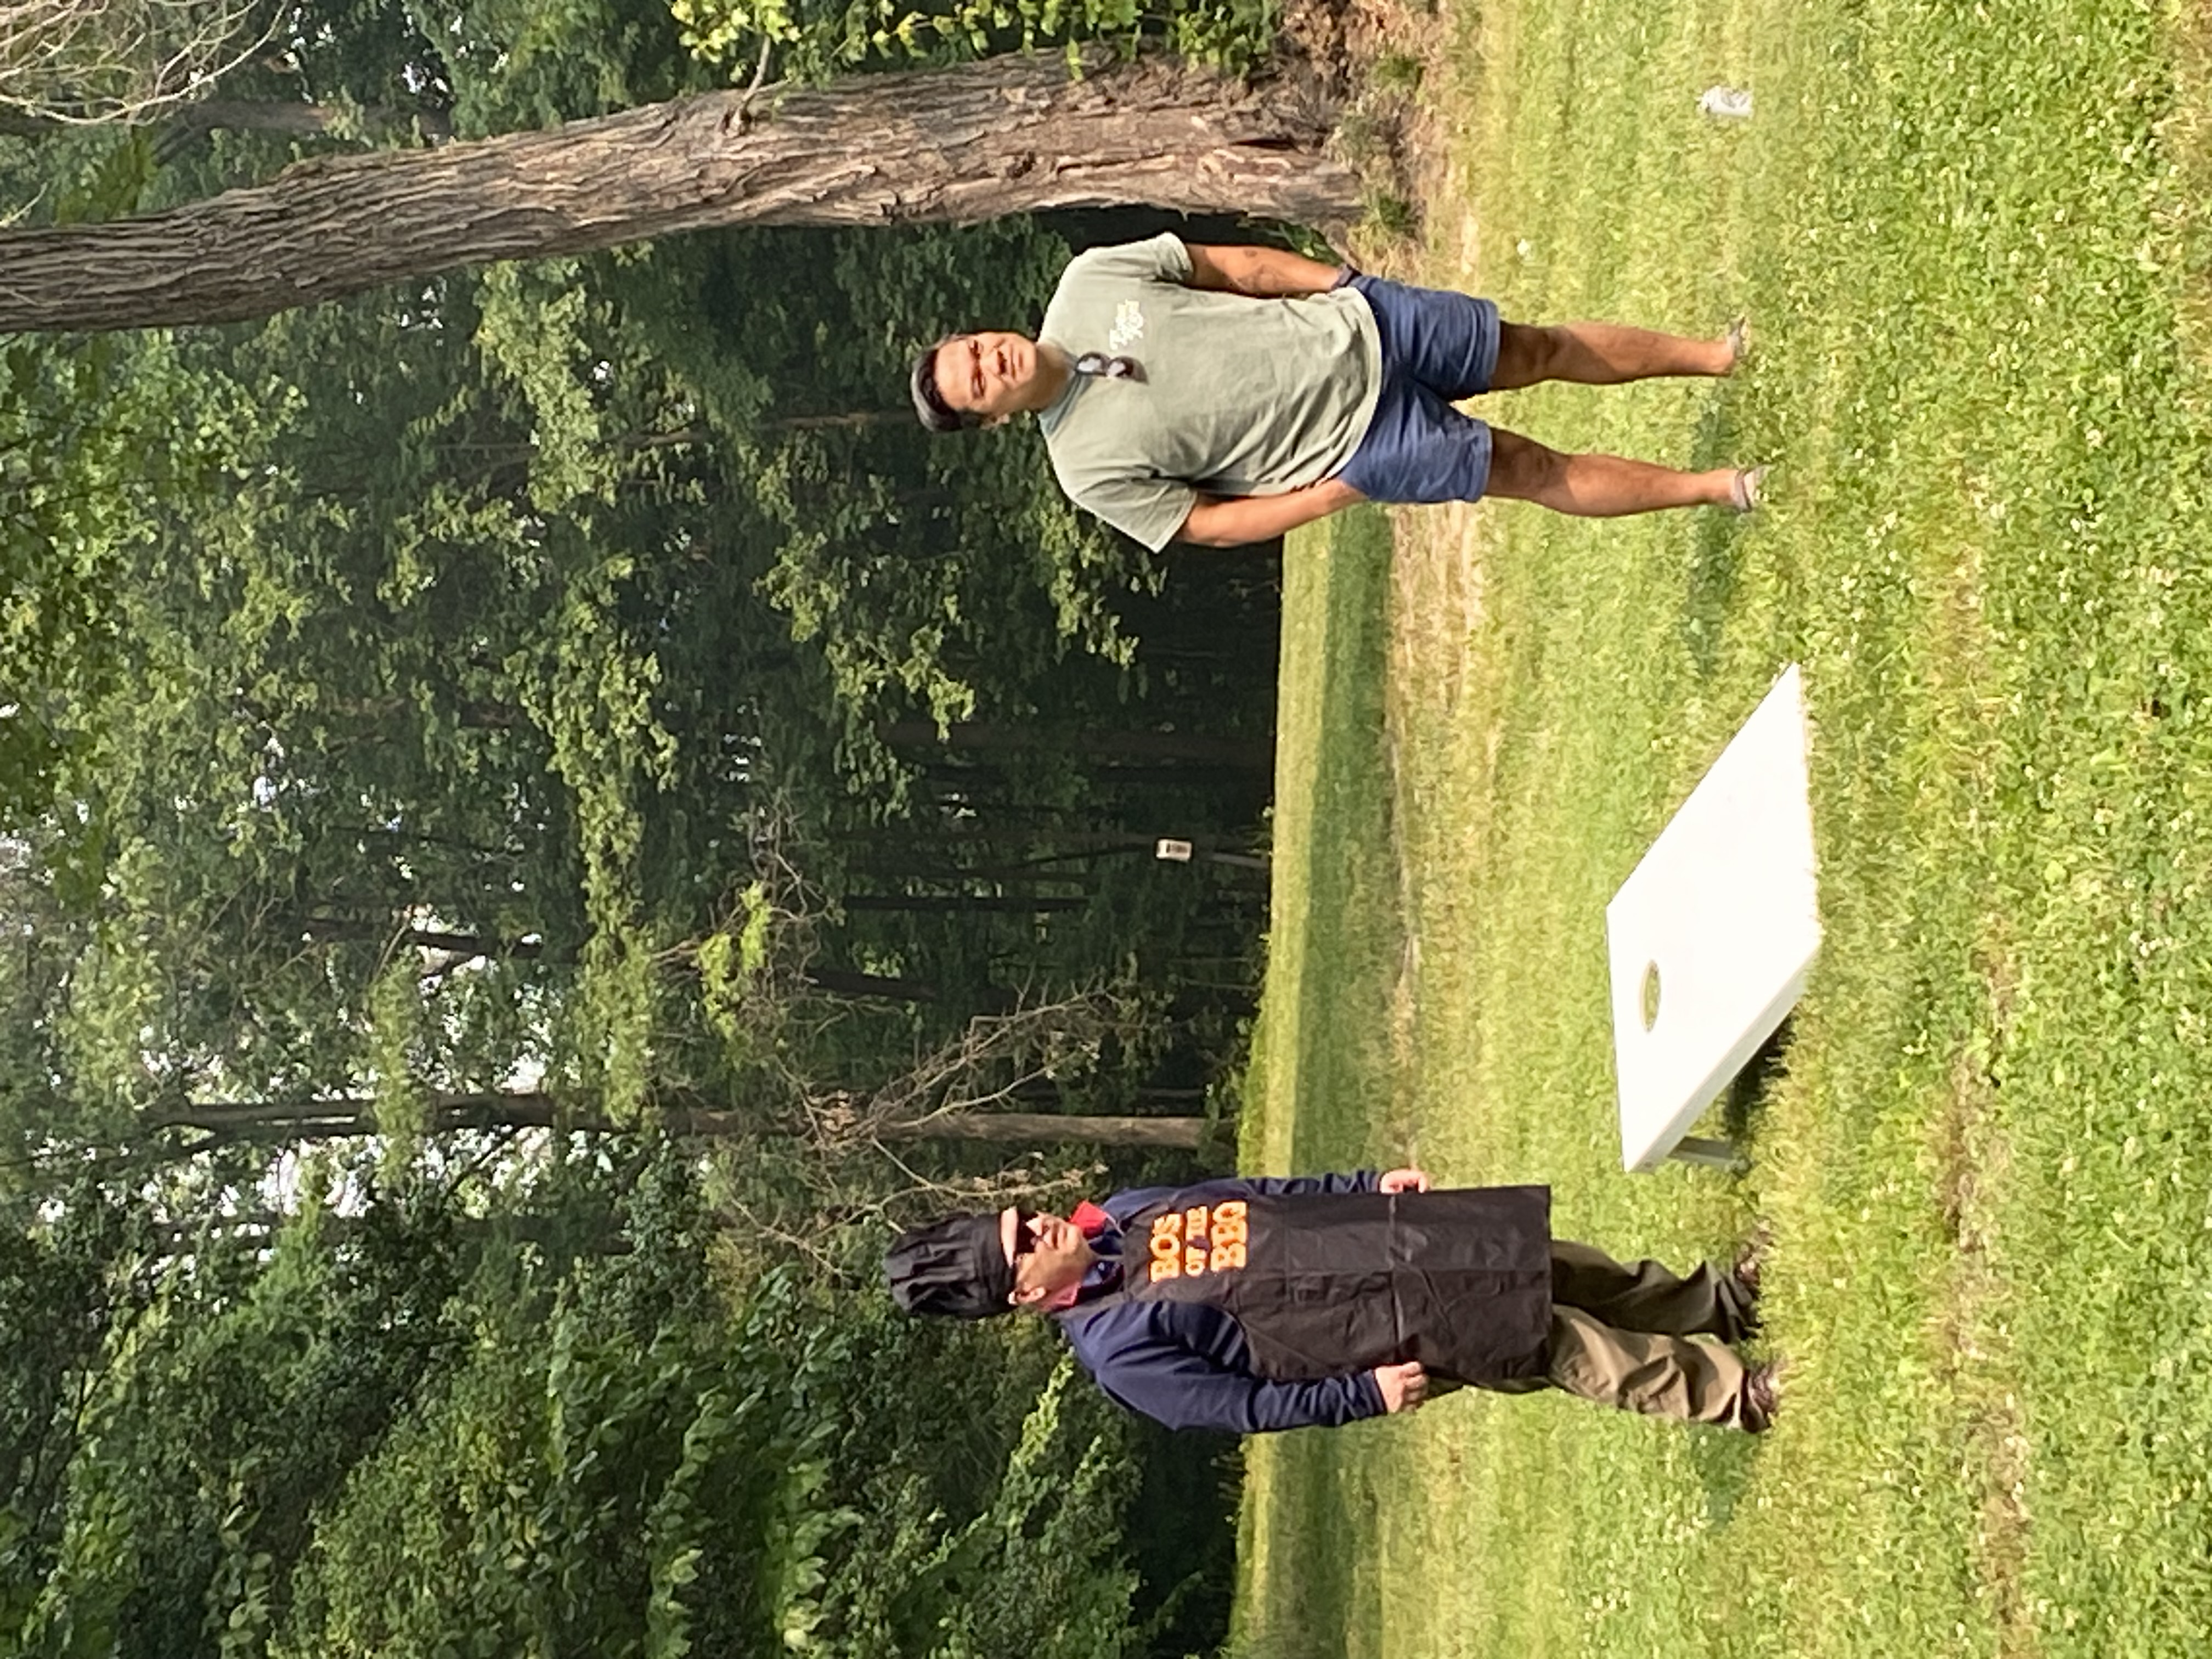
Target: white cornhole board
[(1723, 909)]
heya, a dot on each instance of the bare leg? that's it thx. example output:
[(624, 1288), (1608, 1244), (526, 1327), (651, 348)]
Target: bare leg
[(1597, 486), (1601, 354)]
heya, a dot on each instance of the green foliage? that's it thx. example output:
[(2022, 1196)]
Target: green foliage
[(1394, 70), (627, 1468), (733, 964), (1031, 1550), (990, 1541), (397, 1038), (498, 613), (394, 693), (608, 745), (96, 458), (814, 42), (226, 1393), (518, 1415), (556, 1490), (532, 322)]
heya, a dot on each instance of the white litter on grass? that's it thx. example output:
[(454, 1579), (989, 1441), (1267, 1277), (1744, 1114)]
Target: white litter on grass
[(1726, 103)]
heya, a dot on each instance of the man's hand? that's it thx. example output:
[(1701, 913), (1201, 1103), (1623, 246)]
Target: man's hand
[(1404, 1387), (1263, 273), (1235, 520), (1405, 1181)]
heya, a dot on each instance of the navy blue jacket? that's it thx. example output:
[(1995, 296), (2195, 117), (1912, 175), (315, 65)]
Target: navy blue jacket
[(1187, 1364)]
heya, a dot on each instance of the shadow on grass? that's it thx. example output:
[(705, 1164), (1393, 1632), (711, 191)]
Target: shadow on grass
[(1725, 1460), (1749, 1091), (1713, 564)]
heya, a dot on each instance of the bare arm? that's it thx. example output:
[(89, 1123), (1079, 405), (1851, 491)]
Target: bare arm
[(1233, 521), (1264, 273)]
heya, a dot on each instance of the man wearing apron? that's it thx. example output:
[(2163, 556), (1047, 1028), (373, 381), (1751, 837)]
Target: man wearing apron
[(1262, 1304)]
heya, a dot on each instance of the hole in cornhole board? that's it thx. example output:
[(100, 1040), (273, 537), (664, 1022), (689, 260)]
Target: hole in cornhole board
[(1712, 936)]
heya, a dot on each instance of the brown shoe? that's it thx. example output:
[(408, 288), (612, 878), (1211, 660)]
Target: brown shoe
[(1751, 1259), (1762, 1396)]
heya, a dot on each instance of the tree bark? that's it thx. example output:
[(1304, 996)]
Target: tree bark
[(1007, 135)]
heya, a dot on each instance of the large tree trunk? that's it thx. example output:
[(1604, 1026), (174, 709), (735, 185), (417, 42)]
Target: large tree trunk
[(1007, 135)]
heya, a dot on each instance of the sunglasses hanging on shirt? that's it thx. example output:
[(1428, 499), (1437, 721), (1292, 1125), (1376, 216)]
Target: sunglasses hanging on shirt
[(1099, 366)]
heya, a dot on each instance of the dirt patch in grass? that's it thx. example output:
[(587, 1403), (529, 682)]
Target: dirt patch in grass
[(1370, 59), (2186, 134), (1973, 1162)]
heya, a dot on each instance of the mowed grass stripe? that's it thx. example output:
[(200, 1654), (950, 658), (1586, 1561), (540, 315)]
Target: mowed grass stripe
[(1963, 234), (1333, 941)]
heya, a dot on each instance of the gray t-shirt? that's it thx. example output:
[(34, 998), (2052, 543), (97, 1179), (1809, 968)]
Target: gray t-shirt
[(1238, 396)]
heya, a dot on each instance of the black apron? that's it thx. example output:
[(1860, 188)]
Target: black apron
[(1324, 1285)]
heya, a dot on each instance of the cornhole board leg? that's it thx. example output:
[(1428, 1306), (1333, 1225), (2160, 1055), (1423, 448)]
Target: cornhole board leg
[(1710, 1154)]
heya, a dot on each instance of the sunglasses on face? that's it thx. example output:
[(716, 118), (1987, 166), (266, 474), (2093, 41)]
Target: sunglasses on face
[(1024, 1233)]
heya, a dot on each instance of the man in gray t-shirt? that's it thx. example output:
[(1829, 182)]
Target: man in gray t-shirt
[(1222, 395)]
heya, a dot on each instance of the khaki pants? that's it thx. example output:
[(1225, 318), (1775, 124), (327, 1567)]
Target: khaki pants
[(1624, 1336)]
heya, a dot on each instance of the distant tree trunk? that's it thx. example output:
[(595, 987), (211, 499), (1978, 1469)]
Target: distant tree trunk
[(961, 904), (355, 1114), (21, 124), (281, 118), (847, 982), (473, 713), (840, 981), (287, 119), (1247, 753), (1055, 1128), (341, 1115), (258, 1226), (372, 929), (1008, 135), (473, 945), (854, 420)]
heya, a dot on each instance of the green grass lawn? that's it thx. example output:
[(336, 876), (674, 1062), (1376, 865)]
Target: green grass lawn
[(1966, 235)]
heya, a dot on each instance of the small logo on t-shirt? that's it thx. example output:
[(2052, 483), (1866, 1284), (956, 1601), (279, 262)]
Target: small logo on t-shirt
[(1129, 326)]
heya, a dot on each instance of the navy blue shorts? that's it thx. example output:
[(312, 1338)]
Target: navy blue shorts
[(1437, 347)]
